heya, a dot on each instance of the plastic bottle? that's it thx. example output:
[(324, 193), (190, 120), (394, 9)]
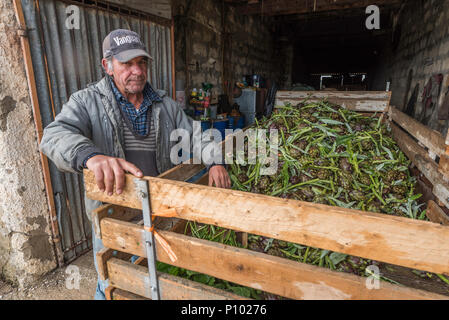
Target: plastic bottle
[(255, 82)]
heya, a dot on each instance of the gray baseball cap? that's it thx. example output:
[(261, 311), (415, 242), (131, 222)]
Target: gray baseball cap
[(124, 45)]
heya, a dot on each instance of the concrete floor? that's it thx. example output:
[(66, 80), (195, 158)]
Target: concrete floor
[(60, 284)]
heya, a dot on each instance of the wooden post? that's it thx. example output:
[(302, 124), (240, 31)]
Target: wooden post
[(26, 52)]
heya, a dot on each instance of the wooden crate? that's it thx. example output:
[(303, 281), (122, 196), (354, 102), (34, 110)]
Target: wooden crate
[(394, 240)]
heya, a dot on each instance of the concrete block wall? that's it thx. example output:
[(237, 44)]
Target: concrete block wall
[(423, 48), (199, 33)]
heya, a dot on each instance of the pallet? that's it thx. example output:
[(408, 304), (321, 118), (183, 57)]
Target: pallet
[(364, 234)]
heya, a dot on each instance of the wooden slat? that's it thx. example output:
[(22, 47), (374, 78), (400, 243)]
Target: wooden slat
[(204, 180), (116, 212), (423, 162), (364, 234), (108, 292), (366, 101), (288, 7), (98, 214), (430, 138), (182, 172), (441, 191), (185, 171), (443, 166), (134, 278), (179, 227), (416, 153), (119, 294), (436, 214), (102, 258), (257, 270)]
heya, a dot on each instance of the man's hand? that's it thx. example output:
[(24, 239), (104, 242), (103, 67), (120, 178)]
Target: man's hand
[(219, 176), (109, 171)]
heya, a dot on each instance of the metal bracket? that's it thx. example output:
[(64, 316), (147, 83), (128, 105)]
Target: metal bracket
[(143, 191)]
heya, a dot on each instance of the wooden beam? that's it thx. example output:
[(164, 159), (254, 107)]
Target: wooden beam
[(112, 211), (119, 294), (28, 65), (364, 101), (443, 166), (134, 278), (417, 154), (436, 214), (287, 7), (261, 271), (102, 258), (322, 17), (204, 180), (420, 158), (365, 234), (108, 292), (430, 138), (182, 172)]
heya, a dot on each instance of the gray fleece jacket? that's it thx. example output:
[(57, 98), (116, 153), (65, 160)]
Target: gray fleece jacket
[(91, 122)]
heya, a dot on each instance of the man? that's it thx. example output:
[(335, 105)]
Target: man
[(117, 125)]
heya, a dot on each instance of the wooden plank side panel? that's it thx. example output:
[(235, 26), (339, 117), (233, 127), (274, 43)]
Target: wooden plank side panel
[(415, 153), (423, 162), (430, 138), (102, 259), (134, 278), (355, 95), (364, 234), (204, 180), (182, 172), (257, 270), (368, 101), (119, 294), (443, 166), (370, 106), (436, 214), (112, 211), (108, 292)]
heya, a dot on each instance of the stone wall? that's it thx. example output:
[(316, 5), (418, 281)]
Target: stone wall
[(26, 250), (208, 50), (422, 50)]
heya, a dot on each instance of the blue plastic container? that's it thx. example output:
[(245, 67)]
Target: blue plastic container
[(231, 123), (221, 125), (205, 124), (240, 122), (236, 122)]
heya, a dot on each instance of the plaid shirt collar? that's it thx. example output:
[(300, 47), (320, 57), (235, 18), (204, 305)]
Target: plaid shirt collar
[(137, 117)]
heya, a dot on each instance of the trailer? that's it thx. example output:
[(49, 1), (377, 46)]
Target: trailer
[(168, 201)]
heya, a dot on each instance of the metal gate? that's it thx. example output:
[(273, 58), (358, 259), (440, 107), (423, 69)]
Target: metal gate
[(66, 57)]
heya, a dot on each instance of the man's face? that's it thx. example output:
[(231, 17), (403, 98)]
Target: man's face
[(129, 77)]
